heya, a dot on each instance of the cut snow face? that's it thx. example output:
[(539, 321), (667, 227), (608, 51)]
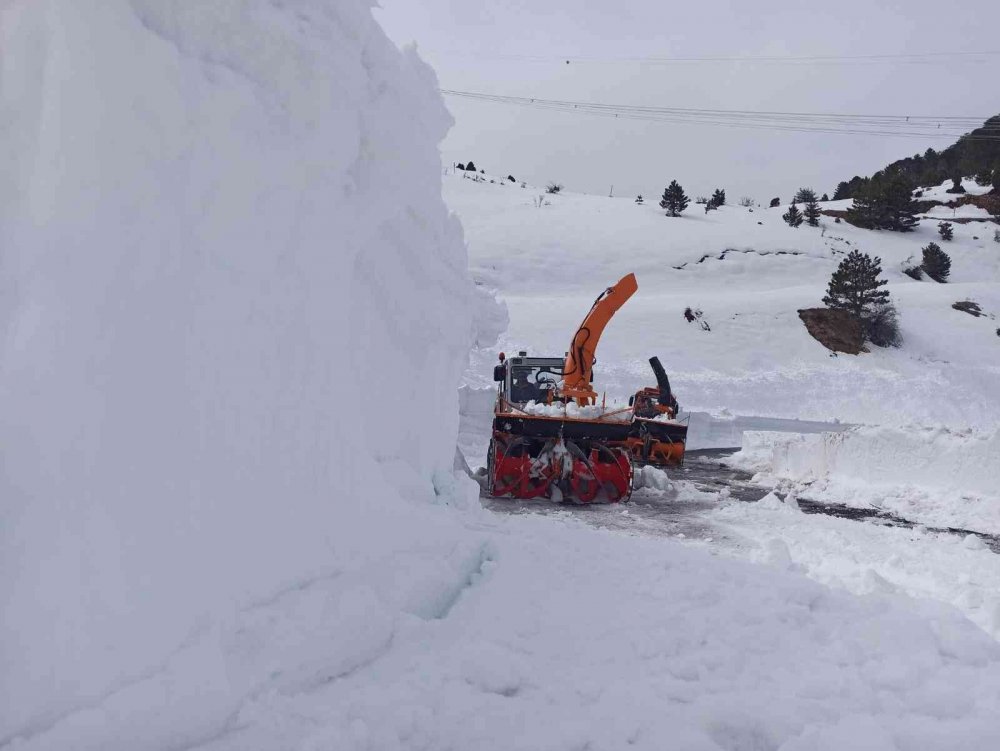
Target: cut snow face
[(938, 477), (227, 271)]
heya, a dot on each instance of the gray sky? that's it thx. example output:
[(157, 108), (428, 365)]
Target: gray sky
[(505, 46)]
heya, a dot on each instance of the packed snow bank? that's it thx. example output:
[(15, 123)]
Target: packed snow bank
[(572, 638), (870, 558), (234, 313), (932, 476)]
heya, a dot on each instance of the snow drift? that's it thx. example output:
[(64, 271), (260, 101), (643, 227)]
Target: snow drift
[(234, 310), (930, 475)]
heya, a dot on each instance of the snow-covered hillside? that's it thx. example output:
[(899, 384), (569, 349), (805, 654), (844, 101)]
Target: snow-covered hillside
[(749, 273)]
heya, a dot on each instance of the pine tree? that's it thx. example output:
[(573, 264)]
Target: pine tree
[(805, 195), (812, 213), (996, 178), (719, 197), (775, 202), (793, 216), (470, 167), (883, 202), (825, 198), (946, 231), (843, 191), (638, 199), (936, 263), (854, 286), (674, 201)]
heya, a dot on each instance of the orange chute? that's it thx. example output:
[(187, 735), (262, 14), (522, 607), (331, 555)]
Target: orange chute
[(579, 366)]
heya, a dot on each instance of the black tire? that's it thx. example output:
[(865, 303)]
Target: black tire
[(490, 468)]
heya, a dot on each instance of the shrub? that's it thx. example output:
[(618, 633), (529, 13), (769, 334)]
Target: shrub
[(746, 202), (553, 188), (946, 231), (882, 326), (775, 203)]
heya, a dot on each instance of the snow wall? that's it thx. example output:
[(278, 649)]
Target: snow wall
[(234, 311), (930, 475)]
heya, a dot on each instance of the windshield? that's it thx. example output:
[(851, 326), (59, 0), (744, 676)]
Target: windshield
[(529, 382)]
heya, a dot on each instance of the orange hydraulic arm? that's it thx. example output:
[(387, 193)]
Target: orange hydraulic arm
[(579, 366)]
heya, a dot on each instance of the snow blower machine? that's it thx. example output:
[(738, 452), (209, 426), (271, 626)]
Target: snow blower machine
[(552, 440)]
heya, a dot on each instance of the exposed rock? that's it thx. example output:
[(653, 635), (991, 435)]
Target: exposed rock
[(837, 330), (967, 306)]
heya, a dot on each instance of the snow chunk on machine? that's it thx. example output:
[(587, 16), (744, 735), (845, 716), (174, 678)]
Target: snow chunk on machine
[(551, 440)]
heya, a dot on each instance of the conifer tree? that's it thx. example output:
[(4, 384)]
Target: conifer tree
[(996, 178), (775, 202), (825, 198), (855, 284), (805, 195), (812, 213), (936, 263), (674, 201), (946, 231), (793, 217), (883, 202), (638, 199), (719, 197)]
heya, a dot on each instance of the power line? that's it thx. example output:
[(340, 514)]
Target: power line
[(902, 57), (915, 126)]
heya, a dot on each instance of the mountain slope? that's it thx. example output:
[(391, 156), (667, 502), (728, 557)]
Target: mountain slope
[(749, 273)]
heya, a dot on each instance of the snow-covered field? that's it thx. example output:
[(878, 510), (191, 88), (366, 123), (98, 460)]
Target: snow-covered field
[(236, 314)]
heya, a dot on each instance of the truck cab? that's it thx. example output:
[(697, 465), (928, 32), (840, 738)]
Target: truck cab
[(523, 379)]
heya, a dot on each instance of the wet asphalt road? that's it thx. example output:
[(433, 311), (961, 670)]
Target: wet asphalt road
[(684, 515)]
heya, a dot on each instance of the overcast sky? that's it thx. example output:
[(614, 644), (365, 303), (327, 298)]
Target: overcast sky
[(520, 47)]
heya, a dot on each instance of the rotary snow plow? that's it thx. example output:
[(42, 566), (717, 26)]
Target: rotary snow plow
[(552, 440)]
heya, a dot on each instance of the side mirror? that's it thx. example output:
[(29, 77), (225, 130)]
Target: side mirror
[(499, 373), (631, 400)]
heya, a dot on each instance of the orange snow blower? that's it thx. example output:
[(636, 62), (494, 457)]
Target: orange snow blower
[(551, 440)]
